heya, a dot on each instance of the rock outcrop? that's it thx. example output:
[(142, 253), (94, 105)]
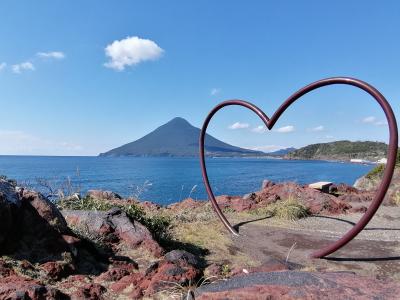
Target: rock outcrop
[(113, 226), (33, 227), (177, 267), (315, 201), (371, 183)]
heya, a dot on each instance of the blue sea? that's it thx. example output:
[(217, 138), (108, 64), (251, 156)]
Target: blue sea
[(168, 180)]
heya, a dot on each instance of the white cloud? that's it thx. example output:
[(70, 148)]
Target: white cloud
[(373, 120), (259, 129), (215, 91), (3, 65), (239, 125), (19, 142), (369, 120), (25, 66), (381, 123), (318, 128), (52, 54), (285, 129), (268, 148), (131, 51)]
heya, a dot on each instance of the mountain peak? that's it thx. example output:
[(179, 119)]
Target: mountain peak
[(179, 120), (177, 138)]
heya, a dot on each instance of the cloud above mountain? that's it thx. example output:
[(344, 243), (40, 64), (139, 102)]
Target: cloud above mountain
[(239, 125), (131, 51), (318, 128), (24, 66), (286, 129), (51, 55), (374, 121)]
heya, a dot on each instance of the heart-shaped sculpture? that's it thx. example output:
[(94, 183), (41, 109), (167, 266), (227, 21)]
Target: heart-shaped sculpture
[(270, 122)]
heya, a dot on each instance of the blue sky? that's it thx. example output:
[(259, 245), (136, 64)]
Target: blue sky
[(82, 77)]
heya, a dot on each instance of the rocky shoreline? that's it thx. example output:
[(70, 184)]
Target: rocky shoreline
[(104, 247)]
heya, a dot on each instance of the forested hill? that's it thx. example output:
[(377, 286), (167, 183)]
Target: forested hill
[(341, 150)]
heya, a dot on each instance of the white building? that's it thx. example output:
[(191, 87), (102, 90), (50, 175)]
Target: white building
[(382, 161)]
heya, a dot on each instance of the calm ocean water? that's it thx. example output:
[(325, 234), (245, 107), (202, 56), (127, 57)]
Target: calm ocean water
[(172, 179)]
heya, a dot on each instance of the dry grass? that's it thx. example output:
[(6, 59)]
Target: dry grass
[(212, 236), (396, 198), (289, 209), (183, 291)]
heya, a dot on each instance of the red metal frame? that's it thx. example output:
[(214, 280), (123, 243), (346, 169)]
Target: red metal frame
[(270, 122)]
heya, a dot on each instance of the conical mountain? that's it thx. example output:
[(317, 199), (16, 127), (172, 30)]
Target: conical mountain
[(177, 138)]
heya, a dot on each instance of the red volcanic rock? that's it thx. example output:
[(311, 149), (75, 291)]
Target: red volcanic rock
[(130, 282), (300, 285), (188, 203), (348, 193), (103, 195), (316, 201), (178, 266), (38, 230), (238, 204), (113, 223), (357, 197), (46, 209), (15, 287), (117, 271), (74, 281), (147, 205), (92, 291), (57, 270), (343, 188)]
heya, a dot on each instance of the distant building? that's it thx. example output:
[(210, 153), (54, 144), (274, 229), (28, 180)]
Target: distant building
[(382, 161), (357, 161)]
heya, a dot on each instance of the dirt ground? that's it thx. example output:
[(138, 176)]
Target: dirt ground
[(374, 252)]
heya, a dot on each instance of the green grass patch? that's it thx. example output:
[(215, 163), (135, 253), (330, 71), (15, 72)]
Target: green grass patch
[(376, 172)]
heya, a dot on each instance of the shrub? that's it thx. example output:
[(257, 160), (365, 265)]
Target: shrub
[(86, 203), (376, 172)]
